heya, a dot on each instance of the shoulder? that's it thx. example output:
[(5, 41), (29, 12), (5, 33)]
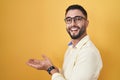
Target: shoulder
[(89, 51)]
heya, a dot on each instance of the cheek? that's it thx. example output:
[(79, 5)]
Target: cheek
[(81, 24), (67, 26)]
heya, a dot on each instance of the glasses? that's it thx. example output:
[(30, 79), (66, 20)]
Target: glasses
[(76, 19)]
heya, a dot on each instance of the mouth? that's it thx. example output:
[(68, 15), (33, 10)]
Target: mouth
[(74, 29)]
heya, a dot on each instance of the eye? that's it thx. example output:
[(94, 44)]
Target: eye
[(78, 18), (68, 19)]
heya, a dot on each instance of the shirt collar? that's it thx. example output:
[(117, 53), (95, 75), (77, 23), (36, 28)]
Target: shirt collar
[(83, 41)]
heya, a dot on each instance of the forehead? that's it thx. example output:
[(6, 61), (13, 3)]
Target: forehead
[(73, 13)]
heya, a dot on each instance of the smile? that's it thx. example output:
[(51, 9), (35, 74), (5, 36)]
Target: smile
[(74, 29)]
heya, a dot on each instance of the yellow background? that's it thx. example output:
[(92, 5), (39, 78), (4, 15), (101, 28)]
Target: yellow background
[(29, 28)]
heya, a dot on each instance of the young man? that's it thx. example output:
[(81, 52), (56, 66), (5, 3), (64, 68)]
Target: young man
[(82, 60)]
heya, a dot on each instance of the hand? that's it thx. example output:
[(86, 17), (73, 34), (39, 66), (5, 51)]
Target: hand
[(40, 64)]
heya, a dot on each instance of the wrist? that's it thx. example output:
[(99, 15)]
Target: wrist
[(51, 70)]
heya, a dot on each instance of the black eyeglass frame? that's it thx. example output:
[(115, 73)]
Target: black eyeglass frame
[(74, 19)]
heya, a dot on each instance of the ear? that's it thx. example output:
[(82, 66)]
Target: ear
[(86, 23)]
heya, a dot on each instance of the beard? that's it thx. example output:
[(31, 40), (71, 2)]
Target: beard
[(81, 31)]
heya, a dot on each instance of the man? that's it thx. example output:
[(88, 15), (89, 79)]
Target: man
[(82, 60)]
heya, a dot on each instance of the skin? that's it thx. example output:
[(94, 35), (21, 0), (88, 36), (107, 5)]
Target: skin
[(45, 63), (82, 24)]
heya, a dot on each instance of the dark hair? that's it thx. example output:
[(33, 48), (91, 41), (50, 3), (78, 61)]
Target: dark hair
[(76, 6)]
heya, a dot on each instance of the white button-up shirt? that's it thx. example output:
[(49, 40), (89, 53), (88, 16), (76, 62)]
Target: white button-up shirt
[(82, 62)]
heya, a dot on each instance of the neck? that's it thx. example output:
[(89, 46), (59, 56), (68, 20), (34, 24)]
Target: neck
[(75, 41)]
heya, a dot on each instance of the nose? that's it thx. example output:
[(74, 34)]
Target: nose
[(73, 22)]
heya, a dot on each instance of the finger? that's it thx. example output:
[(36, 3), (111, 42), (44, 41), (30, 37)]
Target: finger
[(30, 61), (44, 56), (34, 66), (34, 63)]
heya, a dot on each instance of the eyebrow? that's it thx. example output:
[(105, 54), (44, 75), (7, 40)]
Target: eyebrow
[(75, 16)]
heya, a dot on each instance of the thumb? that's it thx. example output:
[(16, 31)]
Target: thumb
[(44, 57)]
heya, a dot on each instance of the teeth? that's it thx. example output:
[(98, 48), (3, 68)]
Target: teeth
[(74, 28)]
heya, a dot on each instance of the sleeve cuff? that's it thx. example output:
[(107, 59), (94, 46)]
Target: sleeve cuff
[(57, 76)]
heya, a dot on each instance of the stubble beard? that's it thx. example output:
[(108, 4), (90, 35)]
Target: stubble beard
[(82, 30)]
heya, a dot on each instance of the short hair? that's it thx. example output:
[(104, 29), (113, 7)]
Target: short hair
[(76, 6)]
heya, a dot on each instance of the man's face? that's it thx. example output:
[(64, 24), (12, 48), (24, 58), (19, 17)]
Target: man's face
[(76, 23)]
